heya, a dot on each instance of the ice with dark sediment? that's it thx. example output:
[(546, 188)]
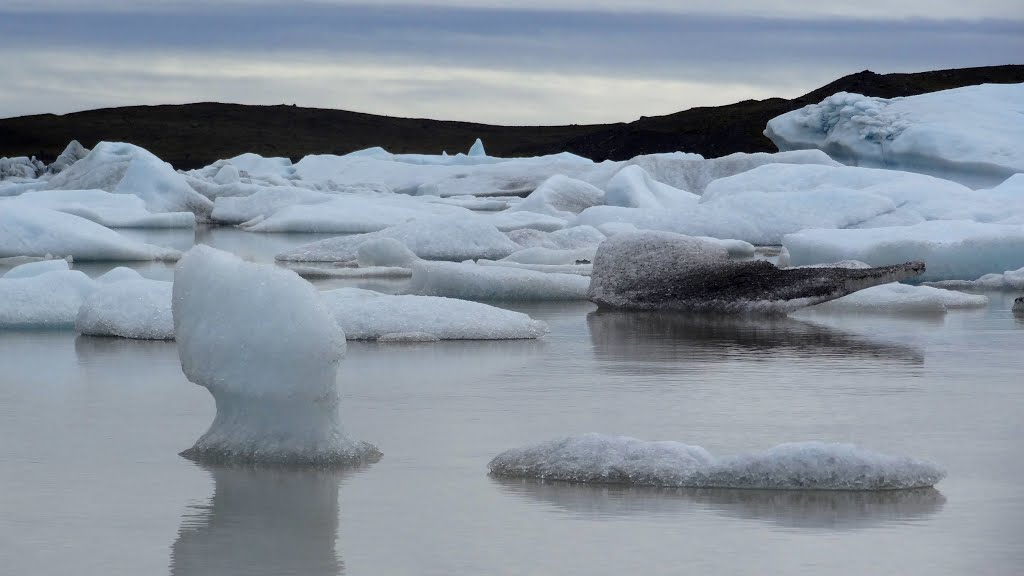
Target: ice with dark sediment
[(665, 271), (598, 458), (260, 340)]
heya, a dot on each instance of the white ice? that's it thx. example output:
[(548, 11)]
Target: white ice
[(104, 208), (27, 230), (139, 309), (351, 214), (470, 281), (29, 269), (1009, 280), (562, 197), (261, 341), (606, 459), (633, 187), (436, 238), (42, 295), (971, 134), (367, 315), (951, 250), (896, 298)]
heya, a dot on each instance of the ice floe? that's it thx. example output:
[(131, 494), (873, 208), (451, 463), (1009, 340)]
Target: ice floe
[(261, 341), (367, 315), (139, 309), (105, 208), (952, 250), (1009, 280), (901, 298), (665, 271), (969, 134), (33, 231), (470, 281), (42, 295), (598, 458)]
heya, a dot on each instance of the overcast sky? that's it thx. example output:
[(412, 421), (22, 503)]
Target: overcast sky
[(523, 62)]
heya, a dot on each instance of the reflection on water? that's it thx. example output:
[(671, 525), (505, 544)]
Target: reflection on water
[(813, 509), (659, 337), (262, 521)]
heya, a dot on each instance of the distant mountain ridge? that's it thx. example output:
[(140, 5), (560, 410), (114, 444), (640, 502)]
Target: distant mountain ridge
[(194, 135)]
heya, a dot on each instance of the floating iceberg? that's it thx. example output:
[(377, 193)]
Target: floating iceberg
[(953, 250), (42, 295), (633, 187), (562, 196), (440, 238), (367, 315), (802, 465), (902, 298), (971, 135), (32, 231), (128, 169), (263, 202), (106, 209), (665, 271), (260, 340), (351, 214), (139, 309), (1009, 280), (470, 281)]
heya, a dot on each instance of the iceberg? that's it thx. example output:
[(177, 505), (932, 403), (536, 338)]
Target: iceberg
[(953, 250), (367, 315), (33, 231), (901, 298), (439, 238), (139, 309), (477, 149), (970, 135), (1009, 280), (665, 271), (470, 281), (104, 208), (351, 214), (260, 340), (29, 269), (633, 187), (42, 295), (599, 458), (562, 197), (1018, 305), (262, 202)]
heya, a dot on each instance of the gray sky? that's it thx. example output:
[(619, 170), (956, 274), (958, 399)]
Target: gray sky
[(524, 62)]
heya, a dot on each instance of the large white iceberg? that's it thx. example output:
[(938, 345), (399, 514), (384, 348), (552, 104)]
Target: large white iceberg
[(32, 231), (801, 465), (470, 281), (105, 208), (367, 315), (439, 238), (42, 295), (972, 134), (128, 169), (952, 250), (260, 340), (562, 196)]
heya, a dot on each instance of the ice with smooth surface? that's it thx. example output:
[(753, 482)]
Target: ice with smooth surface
[(30, 269), (972, 135), (260, 340), (105, 208), (665, 271), (351, 214), (32, 231), (633, 187), (562, 196), (952, 250), (139, 309), (440, 238), (902, 298), (263, 202), (50, 299), (128, 169), (385, 252), (470, 281), (367, 315), (1009, 280), (599, 458)]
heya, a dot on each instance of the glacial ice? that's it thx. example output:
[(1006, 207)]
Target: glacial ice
[(104, 208), (633, 187), (470, 281), (367, 315), (562, 196), (351, 214), (1009, 280), (139, 309), (477, 149), (598, 458), (260, 340), (263, 202), (27, 230), (127, 169), (42, 295), (666, 271), (901, 299), (970, 135), (385, 251), (952, 250), (432, 238)]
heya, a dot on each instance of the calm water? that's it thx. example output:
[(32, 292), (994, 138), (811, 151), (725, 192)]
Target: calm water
[(90, 428)]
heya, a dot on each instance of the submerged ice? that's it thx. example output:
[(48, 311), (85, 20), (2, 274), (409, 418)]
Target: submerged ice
[(599, 458), (260, 340)]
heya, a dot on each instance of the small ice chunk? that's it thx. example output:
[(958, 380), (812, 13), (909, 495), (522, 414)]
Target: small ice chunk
[(1009, 280), (30, 269), (260, 340), (139, 309), (562, 197), (477, 149), (385, 252), (901, 298), (366, 315), (606, 459), (47, 300), (633, 187), (473, 282)]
